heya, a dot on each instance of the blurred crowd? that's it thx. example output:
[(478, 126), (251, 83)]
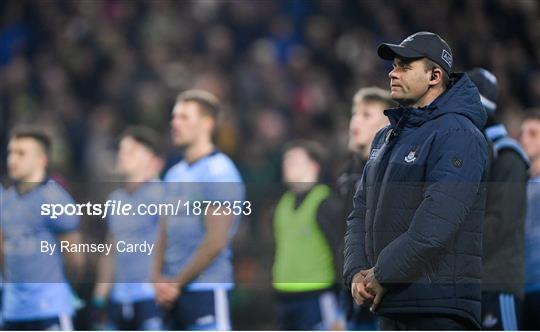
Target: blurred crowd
[(87, 69), (283, 69)]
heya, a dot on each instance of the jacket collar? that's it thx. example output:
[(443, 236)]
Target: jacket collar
[(461, 98)]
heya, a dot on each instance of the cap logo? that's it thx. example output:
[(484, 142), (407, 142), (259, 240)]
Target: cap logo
[(408, 39), (446, 57)]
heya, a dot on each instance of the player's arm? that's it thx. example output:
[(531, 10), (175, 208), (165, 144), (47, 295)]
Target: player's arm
[(217, 236), (507, 202), (327, 214), (66, 228), (166, 290), (73, 261), (159, 257), (1, 253), (105, 273)]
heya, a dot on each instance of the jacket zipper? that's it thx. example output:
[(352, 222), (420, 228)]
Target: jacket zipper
[(389, 143)]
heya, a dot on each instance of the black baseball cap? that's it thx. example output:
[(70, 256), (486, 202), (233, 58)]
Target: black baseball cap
[(420, 45), (486, 83)]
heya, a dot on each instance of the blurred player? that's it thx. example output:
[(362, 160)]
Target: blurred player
[(530, 138), (503, 235), (132, 299), (1, 275), (36, 293), (193, 271), (304, 271), (366, 120)]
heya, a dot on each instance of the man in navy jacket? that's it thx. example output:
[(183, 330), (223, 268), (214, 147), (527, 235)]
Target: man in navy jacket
[(413, 244)]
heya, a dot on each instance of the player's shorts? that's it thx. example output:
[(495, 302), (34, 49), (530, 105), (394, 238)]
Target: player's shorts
[(200, 310), (308, 311), (501, 311), (531, 313), (1, 313), (141, 315), (60, 323)]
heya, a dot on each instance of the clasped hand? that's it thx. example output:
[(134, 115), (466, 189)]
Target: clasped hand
[(366, 289)]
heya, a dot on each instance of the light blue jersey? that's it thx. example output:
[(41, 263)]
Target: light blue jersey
[(212, 178), (532, 236), (132, 270), (35, 286)]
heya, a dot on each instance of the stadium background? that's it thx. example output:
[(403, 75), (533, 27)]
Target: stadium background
[(85, 70)]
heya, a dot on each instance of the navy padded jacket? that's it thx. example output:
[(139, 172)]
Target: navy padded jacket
[(418, 212)]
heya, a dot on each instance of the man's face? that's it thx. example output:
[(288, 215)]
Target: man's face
[(298, 167), (188, 123), (133, 157), (530, 138), (25, 157), (409, 81), (367, 119)]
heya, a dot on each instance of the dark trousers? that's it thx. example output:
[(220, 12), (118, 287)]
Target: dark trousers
[(62, 323), (422, 322), (358, 318), (531, 315), (307, 311), (200, 310), (141, 315)]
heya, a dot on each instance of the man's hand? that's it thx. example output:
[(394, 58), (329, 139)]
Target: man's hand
[(373, 287), (167, 291), (358, 288)]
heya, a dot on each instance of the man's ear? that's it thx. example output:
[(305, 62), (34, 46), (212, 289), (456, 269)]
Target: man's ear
[(210, 124), (44, 159), (43, 162), (318, 168), (436, 76)]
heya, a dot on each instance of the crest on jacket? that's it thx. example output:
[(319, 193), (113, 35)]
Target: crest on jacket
[(411, 157)]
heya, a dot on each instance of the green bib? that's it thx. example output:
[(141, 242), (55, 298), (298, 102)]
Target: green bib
[(303, 260)]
